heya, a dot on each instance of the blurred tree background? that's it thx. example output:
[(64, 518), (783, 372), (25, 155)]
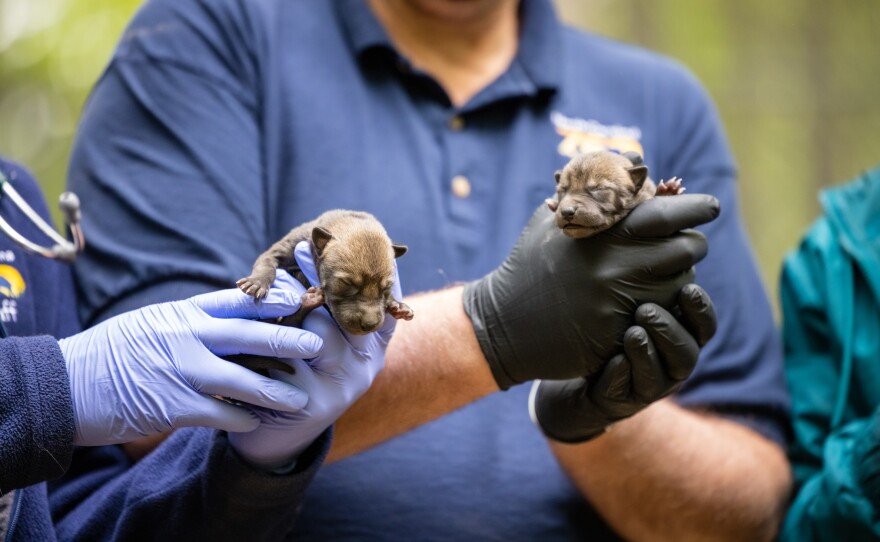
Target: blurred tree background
[(797, 83)]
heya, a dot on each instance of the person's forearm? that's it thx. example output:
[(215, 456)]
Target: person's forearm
[(433, 366), (671, 474)]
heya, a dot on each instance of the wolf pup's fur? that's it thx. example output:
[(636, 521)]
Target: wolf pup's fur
[(354, 259), (596, 190)]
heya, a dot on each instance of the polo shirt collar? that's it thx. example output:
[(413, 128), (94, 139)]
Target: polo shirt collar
[(540, 44), (538, 57), (362, 28)]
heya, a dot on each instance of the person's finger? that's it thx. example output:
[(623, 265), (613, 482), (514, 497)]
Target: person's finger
[(225, 337), (649, 378), (697, 313), (663, 216), (676, 346), (303, 255), (285, 281), (212, 412), (614, 382), (336, 348), (227, 379), (233, 303), (676, 254)]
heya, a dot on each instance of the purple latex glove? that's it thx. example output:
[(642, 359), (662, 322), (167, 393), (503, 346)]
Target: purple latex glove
[(154, 369), (334, 380)]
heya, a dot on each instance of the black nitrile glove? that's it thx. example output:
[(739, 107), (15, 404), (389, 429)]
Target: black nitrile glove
[(558, 307), (659, 354)]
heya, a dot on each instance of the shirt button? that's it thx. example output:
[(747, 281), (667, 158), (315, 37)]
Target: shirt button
[(456, 123), (461, 186)]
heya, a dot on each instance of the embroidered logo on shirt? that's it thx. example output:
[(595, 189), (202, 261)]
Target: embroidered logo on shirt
[(581, 136), (11, 283), (11, 286)]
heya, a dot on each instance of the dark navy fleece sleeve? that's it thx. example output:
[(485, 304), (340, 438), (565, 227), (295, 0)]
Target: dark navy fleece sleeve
[(36, 415), (193, 487)]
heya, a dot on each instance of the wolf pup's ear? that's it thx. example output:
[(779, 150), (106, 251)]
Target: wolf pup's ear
[(638, 174), (634, 157), (320, 237), (557, 175), (552, 204), (399, 250)]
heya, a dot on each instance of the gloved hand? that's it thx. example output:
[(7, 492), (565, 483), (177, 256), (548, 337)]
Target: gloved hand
[(334, 380), (558, 307), (659, 354), (154, 369)]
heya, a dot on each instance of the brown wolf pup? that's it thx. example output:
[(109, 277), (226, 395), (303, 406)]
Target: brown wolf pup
[(596, 190), (354, 259)]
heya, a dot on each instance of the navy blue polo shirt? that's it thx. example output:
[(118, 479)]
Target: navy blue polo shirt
[(219, 125)]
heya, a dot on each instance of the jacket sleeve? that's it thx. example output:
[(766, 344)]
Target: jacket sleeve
[(192, 487), (830, 502), (36, 414)]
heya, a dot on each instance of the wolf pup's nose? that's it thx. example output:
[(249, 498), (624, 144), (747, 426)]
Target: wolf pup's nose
[(369, 325), (568, 212)]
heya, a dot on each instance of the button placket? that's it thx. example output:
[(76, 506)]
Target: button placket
[(461, 186)]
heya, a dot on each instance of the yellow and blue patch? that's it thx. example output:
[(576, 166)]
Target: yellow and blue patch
[(11, 284), (580, 136)]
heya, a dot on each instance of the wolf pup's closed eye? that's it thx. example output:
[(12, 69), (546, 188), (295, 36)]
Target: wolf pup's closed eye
[(596, 190)]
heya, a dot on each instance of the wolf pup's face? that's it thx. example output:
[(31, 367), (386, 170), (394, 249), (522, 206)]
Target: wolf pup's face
[(594, 191), (357, 276)]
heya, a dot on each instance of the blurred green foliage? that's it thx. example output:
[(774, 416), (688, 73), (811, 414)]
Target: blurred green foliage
[(51, 53), (797, 83)]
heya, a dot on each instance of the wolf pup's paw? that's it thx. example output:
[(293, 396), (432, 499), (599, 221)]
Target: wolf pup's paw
[(253, 286), (672, 187), (312, 299), (400, 311)]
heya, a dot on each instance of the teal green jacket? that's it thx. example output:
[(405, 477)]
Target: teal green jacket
[(830, 292)]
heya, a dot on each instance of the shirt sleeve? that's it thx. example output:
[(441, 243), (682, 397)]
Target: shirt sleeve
[(192, 487), (740, 371), (167, 161), (36, 414)]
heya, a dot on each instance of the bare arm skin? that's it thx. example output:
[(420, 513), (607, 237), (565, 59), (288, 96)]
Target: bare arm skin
[(669, 473), (433, 366), (666, 473)]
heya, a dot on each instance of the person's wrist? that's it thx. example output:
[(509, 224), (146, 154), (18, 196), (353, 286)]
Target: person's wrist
[(65, 345), (573, 429), (483, 321), (277, 464), (68, 347)]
